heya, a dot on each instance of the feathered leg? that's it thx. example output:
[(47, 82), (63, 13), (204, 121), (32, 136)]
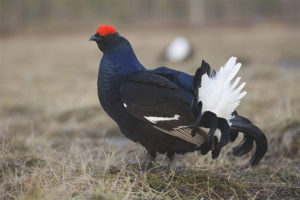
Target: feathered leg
[(149, 160), (170, 156)]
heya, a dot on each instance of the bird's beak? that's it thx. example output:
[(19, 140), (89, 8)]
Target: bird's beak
[(93, 38)]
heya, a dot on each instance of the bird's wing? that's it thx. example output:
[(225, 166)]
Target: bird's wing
[(181, 79), (159, 103)]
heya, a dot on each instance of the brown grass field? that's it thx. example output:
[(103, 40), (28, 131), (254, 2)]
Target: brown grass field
[(56, 142)]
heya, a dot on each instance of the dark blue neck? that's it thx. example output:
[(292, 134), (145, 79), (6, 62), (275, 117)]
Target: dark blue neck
[(117, 63), (120, 60)]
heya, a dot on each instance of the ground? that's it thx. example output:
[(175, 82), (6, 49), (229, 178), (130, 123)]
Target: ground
[(57, 143)]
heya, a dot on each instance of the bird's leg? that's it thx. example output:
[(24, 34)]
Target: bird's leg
[(148, 162), (170, 156)]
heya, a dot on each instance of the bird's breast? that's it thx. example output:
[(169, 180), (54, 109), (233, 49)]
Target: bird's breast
[(108, 91)]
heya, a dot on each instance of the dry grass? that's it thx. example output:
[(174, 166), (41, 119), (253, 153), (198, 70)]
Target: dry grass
[(57, 143)]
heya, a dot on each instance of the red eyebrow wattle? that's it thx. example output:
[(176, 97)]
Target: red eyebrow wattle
[(105, 29)]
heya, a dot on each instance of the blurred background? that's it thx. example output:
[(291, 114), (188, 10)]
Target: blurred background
[(67, 14), (48, 70)]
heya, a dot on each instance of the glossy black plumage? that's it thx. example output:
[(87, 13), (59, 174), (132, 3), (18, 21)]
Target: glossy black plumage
[(158, 108)]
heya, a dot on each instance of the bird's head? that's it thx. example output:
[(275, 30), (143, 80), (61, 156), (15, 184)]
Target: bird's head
[(106, 37)]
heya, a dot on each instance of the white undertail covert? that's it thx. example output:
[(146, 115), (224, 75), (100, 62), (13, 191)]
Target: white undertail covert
[(220, 94)]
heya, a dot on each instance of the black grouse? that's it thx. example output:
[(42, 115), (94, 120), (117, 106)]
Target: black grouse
[(171, 112)]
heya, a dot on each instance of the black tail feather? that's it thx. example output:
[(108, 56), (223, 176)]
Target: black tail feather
[(211, 121), (251, 133), (244, 147), (206, 147), (239, 124), (233, 135), (224, 128), (198, 119), (203, 69)]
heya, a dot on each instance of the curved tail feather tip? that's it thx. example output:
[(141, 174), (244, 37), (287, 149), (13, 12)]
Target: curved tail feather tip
[(251, 134)]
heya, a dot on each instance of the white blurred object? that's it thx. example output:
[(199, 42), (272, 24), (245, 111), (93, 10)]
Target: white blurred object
[(178, 50)]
